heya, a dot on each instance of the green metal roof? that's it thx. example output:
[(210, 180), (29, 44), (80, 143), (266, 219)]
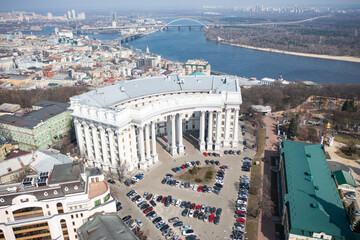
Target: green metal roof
[(197, 73), (343, 177), (314, 204)]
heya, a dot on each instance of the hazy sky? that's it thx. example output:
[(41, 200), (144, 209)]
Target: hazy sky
[(7, 5)]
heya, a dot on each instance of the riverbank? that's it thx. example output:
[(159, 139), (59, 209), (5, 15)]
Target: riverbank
[(338, 58)]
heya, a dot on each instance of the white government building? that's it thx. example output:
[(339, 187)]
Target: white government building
[(117, 125)]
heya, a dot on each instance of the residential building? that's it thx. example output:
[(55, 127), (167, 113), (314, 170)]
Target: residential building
[(195, 65), (345, 181), (310, 204), (53, 204), (37, 129)]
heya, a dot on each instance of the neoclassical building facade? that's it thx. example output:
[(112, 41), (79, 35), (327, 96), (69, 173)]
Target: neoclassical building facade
[(116, 126)]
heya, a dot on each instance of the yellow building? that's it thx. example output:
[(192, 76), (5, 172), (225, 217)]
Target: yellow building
[(16, 80)]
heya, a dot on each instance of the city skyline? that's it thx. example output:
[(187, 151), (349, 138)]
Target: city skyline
[(162, 4)]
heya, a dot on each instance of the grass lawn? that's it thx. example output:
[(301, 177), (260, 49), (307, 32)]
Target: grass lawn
[(343, 155), (344, 138), (260, 142), (253, 203), (201, 176)]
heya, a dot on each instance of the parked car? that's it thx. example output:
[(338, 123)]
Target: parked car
[(188, 232), (174, 219), (186, 227), (139, 222), (111, 181), (126, 218)]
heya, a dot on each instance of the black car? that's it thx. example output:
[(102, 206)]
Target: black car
[(149, 196), (238, 152), (218, 211), (150, 213), (174, 170), (204, 189), (144, 206), (129, 193), (184, 212), (153, 203), (217, 163), (217, 220), (201, 216), (164, 181), (212, 210), (111, 181), (188, 204), (183, 204), (156, 220), (226, 152), (196, 214), (164, 228), (191, 237), (198, 163), (126, 218), (178, 224), (159, 198), (207, 162), (127, 183), (118, 206), (212, 162)]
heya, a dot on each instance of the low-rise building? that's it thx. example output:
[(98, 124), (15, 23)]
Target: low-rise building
[(345, 181), (310, 204), (53, 204), (37, 129)]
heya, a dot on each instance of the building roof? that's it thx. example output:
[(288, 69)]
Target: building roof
[(44, 161), (106, 226), (126, 90), (343, 177), (313, 201), (45, 103), (9, 107), (66, 172), (34, 118), (197, 73)]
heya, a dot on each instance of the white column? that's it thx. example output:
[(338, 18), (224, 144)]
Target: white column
[(98, 158), (180, 133), (126, 160), (147, 144), (218, 131), (141, 147), (112, 147), (79, 137), (210, 132), (227, 128), (202, 131), (173, 148), (153, 143), (104, 147), (89, 143), (168, 128), (235, 141)]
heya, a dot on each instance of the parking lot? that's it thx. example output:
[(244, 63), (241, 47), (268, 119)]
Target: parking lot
[(152, 184)]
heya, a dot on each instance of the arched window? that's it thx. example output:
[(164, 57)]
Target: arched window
[(2, 236), (64, 229), (60, 208)]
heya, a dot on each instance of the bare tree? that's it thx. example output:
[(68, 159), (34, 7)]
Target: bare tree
[(122, 170)]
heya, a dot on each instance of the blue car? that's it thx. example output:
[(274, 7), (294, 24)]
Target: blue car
[(179, 168)]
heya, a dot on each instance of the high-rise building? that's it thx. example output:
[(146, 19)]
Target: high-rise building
[(197, 66), (49, 15), (69, 15), (81, 16), (113, 15), (73, 14)]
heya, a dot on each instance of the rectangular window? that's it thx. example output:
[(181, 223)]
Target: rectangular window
[(97, 202), (106, 197)]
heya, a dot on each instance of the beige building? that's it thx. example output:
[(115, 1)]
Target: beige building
[(195, 66)]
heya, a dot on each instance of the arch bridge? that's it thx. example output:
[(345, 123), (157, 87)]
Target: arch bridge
[(182, 19)]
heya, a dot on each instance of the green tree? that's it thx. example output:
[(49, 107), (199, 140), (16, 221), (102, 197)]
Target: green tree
[(345, 106), (292, 130)]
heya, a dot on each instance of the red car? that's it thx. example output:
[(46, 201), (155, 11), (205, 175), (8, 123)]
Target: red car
[(240, 220), (192, 206), (182, 167), (205, 154), (211, 218), (148, 209), (240, 212), (199, 189), (164, 199), (198, 207)]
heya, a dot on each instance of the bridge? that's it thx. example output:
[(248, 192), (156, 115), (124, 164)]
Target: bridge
[(198, 23)]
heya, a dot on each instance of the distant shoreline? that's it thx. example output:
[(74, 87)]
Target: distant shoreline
[(338, 58)]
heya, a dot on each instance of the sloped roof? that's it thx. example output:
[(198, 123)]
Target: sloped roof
[(196, 73), (314, 204), (343, 177)]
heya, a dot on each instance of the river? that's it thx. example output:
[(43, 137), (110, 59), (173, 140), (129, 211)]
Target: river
[(184, 44)]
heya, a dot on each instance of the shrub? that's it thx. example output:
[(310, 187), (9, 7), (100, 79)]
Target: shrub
[(209, 174), (194, 170), (198, 180)]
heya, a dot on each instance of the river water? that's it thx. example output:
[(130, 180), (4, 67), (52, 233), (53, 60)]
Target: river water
[(184, 44)]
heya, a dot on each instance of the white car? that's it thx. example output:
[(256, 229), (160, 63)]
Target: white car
[(241, 202), (188, 232), (195, 187), (139, 200), (220, 181), (243, 209), (191, 186), (350, 196), (153, 216), (155, 197), (203, 207), (357, 212), (186, 227), (178, 202), (178, 183), (135, 179), (139, 222), (191, 213)]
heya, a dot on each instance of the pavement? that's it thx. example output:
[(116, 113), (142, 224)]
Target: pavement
[(152, 184), (266, 227)]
